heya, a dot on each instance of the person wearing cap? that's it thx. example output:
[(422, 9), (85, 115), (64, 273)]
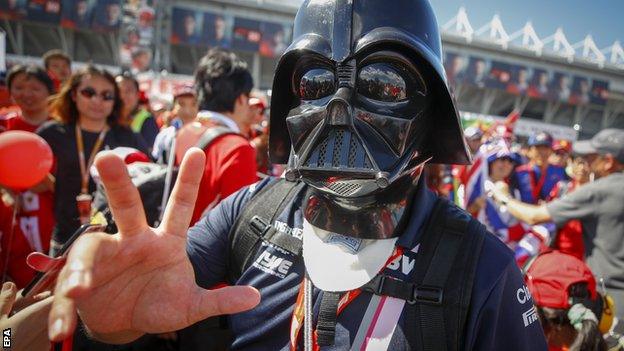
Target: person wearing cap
[(58, 65), (349, 250), (535, 180), (599, 205), (561, 153), (573, 313), (185, 109)]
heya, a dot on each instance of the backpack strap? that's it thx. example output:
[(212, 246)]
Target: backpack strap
[(254, 225), (211, 134), (327, 317), (445, 272)]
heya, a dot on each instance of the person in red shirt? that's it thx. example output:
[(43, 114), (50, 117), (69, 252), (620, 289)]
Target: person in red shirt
[(30, 87), (14, 250), (224, 85), (569, 238)]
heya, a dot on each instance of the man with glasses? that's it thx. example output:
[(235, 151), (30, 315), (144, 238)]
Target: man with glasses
[(599, 205)]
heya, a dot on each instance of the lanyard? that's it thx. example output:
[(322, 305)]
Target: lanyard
[(84, 189), (300, 312), (537, 188)]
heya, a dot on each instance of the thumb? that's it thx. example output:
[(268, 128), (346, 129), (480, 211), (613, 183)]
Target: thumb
[(228, 300), (7, 298)]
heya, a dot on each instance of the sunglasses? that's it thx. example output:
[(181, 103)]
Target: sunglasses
[(89, 93)]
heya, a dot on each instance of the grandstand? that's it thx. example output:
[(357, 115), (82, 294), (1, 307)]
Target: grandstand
[(549, 78)]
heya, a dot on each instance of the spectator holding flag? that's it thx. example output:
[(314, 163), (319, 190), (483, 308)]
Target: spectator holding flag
[(495, 163)]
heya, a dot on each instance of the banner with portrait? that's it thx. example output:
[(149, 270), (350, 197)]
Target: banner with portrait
[(246, 34), (516, 79), (44, 11), (77, 14)]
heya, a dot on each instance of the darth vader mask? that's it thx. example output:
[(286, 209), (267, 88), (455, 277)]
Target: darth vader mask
[(360, 103)]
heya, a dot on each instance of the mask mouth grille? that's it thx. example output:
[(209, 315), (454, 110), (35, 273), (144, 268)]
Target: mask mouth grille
[(340, 149), (343, 188)]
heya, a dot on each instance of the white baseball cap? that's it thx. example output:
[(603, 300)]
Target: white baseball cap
[(336, 262)]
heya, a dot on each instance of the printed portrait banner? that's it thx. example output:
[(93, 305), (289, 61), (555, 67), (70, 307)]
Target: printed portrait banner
[(13, 9), (77, 14), (535, 82), (275, 39), (186, 26), (193, 27), (137, 36), (44, 11), (246, 35), (98, 15)]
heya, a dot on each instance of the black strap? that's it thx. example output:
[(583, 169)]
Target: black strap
[(326, 324), (247, 233), (211, 134), (431, 315), (444, 276), (266, 232)]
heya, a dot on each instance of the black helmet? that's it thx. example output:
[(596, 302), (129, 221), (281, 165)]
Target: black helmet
[(359, 104)]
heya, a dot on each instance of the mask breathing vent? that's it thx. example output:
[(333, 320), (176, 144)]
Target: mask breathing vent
[(339, 149)]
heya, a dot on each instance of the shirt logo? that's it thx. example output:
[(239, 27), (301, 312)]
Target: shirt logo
[(348, 243), (285, 229), (529, 316), (274, 265), (404, 263), (523, 295)]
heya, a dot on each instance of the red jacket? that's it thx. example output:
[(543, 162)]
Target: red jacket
[(15, 246), (230, 165), (569, 238)]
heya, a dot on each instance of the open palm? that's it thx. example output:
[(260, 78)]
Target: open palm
[(139, 280)]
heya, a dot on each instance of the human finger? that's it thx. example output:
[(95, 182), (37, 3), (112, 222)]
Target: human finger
[(62, 318), (228, 300), (180, 207), (7, 298), (123, 197)]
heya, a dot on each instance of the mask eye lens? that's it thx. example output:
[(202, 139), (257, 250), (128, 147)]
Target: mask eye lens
[(381, 82), (317, 83)]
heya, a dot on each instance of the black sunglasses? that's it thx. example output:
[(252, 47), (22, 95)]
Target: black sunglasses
[(89, 92)]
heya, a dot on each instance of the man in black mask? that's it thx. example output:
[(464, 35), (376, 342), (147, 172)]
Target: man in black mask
[(349, 250)]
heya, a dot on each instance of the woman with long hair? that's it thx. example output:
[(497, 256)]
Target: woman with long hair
[(87, 112)]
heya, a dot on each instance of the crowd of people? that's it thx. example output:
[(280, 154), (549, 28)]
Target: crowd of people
[(89, 110), (550, 198), (557, 205)]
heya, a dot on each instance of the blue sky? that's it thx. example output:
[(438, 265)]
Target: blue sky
[(603, 19)]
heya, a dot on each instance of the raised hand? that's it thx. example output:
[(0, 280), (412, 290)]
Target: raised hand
[(139, 280)]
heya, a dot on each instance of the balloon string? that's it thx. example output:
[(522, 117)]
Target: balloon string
[(11, 233)]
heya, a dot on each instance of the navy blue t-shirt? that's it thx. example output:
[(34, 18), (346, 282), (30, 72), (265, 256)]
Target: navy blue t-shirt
[(501, 317)]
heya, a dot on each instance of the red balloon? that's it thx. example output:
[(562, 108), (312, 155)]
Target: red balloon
[(25, 159)]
